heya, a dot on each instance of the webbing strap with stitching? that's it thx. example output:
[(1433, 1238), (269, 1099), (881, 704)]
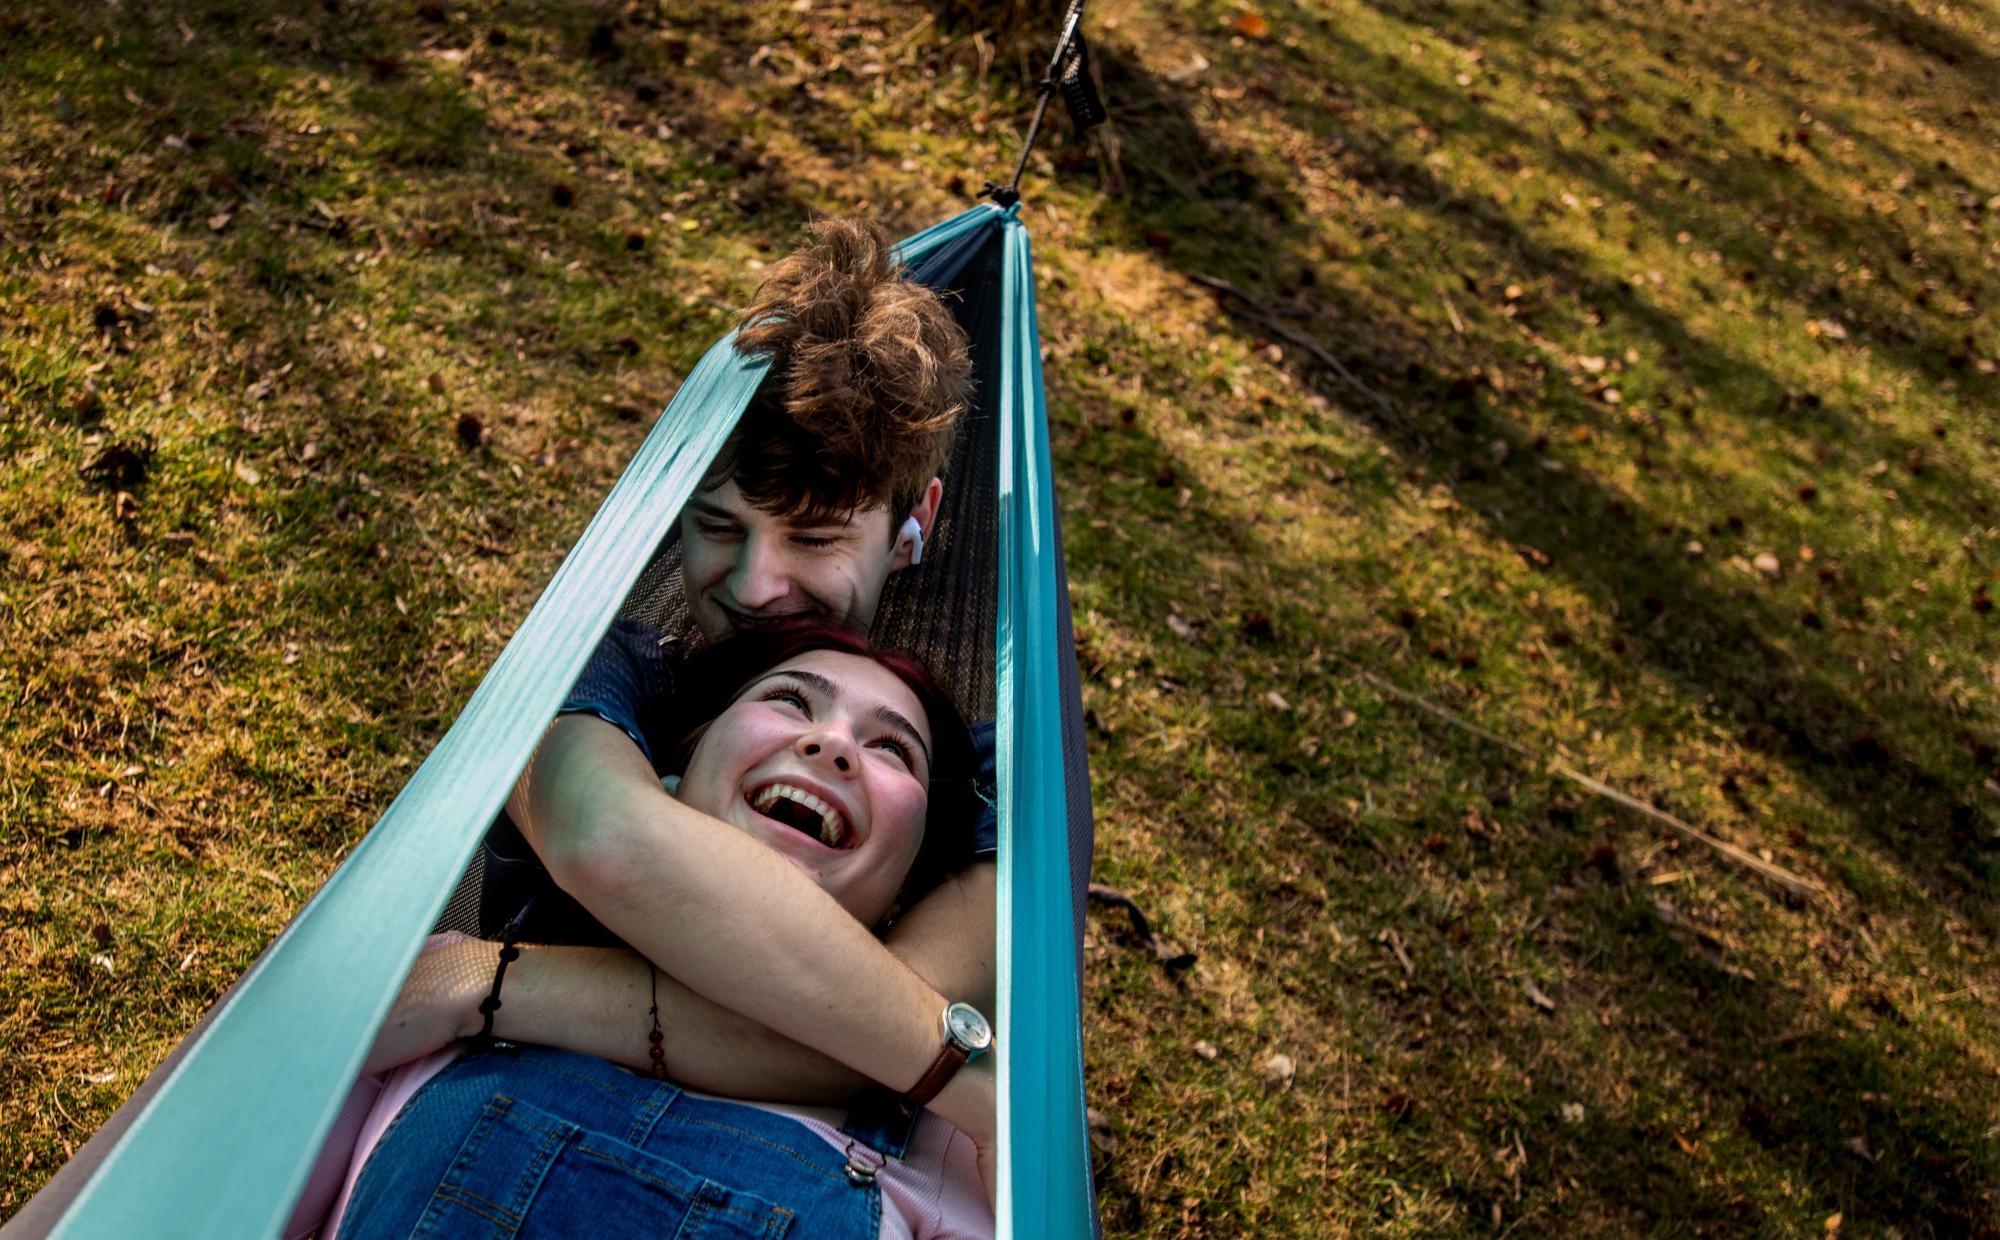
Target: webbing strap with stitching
[(1044, 1154)]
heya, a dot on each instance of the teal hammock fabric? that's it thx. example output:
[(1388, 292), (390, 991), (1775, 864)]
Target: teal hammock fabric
[(222, 1144)]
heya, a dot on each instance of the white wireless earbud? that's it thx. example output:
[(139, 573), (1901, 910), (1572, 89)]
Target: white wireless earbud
[(914, 531)]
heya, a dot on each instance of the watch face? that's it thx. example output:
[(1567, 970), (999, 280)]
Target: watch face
[(966, 1027)]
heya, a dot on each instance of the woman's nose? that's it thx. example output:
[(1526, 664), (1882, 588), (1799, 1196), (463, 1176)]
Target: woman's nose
[(829, 745)]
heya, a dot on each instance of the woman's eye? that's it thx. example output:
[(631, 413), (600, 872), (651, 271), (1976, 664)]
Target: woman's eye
[(899, 749), (790, 697)]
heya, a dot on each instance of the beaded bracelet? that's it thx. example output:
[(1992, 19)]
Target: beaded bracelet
[(508, 954), (657, 1051)]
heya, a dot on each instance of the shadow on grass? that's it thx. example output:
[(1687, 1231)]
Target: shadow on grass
[(1874, 747), (1862, 1122), (1847, 1108)]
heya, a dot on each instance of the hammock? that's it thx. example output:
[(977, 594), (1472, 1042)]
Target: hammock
[(218, 1141)]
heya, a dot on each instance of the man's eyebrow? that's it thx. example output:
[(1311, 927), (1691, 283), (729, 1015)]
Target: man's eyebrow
[(832, 525), (716, 512), (827, 689)]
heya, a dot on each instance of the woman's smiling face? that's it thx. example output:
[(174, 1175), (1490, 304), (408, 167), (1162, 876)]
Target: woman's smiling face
[(826, 759)]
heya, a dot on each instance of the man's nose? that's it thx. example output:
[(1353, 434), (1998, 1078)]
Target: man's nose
[(759, 578)]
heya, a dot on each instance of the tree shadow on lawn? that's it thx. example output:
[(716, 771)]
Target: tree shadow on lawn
[(1857, 746), (1904, 254), (1972, 66), (1757, 189), (1651, 1005), (1704, 1071)]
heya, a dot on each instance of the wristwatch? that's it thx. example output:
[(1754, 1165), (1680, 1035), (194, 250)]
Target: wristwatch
[(967, 1036)]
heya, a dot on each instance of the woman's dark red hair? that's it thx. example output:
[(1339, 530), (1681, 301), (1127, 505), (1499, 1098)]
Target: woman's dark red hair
[(711, 680)]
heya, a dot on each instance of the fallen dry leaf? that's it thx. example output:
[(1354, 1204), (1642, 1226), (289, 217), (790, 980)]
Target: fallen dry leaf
[(1252, 25), (1537, 996), (1193, 69), (1278, 1072)]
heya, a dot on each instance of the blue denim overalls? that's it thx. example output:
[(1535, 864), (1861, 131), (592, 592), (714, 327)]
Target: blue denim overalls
[(533, 1142)]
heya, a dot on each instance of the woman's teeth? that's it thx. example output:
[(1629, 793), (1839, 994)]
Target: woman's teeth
[(832, 830)]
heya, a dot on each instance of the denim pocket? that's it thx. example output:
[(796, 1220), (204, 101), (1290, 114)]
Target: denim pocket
[(524, 1172)]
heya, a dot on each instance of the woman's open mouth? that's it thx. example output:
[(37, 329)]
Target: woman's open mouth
[(802, 812)]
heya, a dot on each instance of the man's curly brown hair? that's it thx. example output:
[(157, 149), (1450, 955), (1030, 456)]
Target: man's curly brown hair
[(869, 377)]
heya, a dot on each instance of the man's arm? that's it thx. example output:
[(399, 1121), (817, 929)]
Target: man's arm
[(597, 1001), (736, 924)]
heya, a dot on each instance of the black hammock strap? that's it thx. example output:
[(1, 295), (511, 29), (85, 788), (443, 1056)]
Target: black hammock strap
[(1069, 74)]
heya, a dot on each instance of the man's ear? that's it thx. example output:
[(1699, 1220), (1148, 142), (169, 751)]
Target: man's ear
[(925, 515)]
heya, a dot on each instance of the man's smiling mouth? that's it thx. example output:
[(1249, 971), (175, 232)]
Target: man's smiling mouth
[(803, 812), (748, 621)]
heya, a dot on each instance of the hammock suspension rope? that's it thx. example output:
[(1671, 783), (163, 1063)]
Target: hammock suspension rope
[(1069, 73)]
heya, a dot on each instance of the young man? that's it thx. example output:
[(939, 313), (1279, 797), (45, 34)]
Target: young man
[(828, 485)]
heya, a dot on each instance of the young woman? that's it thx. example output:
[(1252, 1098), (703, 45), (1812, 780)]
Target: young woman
[(854, 769)]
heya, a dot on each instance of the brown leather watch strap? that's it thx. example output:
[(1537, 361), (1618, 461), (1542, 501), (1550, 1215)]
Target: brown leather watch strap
[(951, 1057)]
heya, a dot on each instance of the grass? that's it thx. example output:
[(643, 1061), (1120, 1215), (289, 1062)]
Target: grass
[(327, 326)]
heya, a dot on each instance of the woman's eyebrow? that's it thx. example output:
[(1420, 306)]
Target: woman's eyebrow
[(831, 691), (812, 680), (894, 718)]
